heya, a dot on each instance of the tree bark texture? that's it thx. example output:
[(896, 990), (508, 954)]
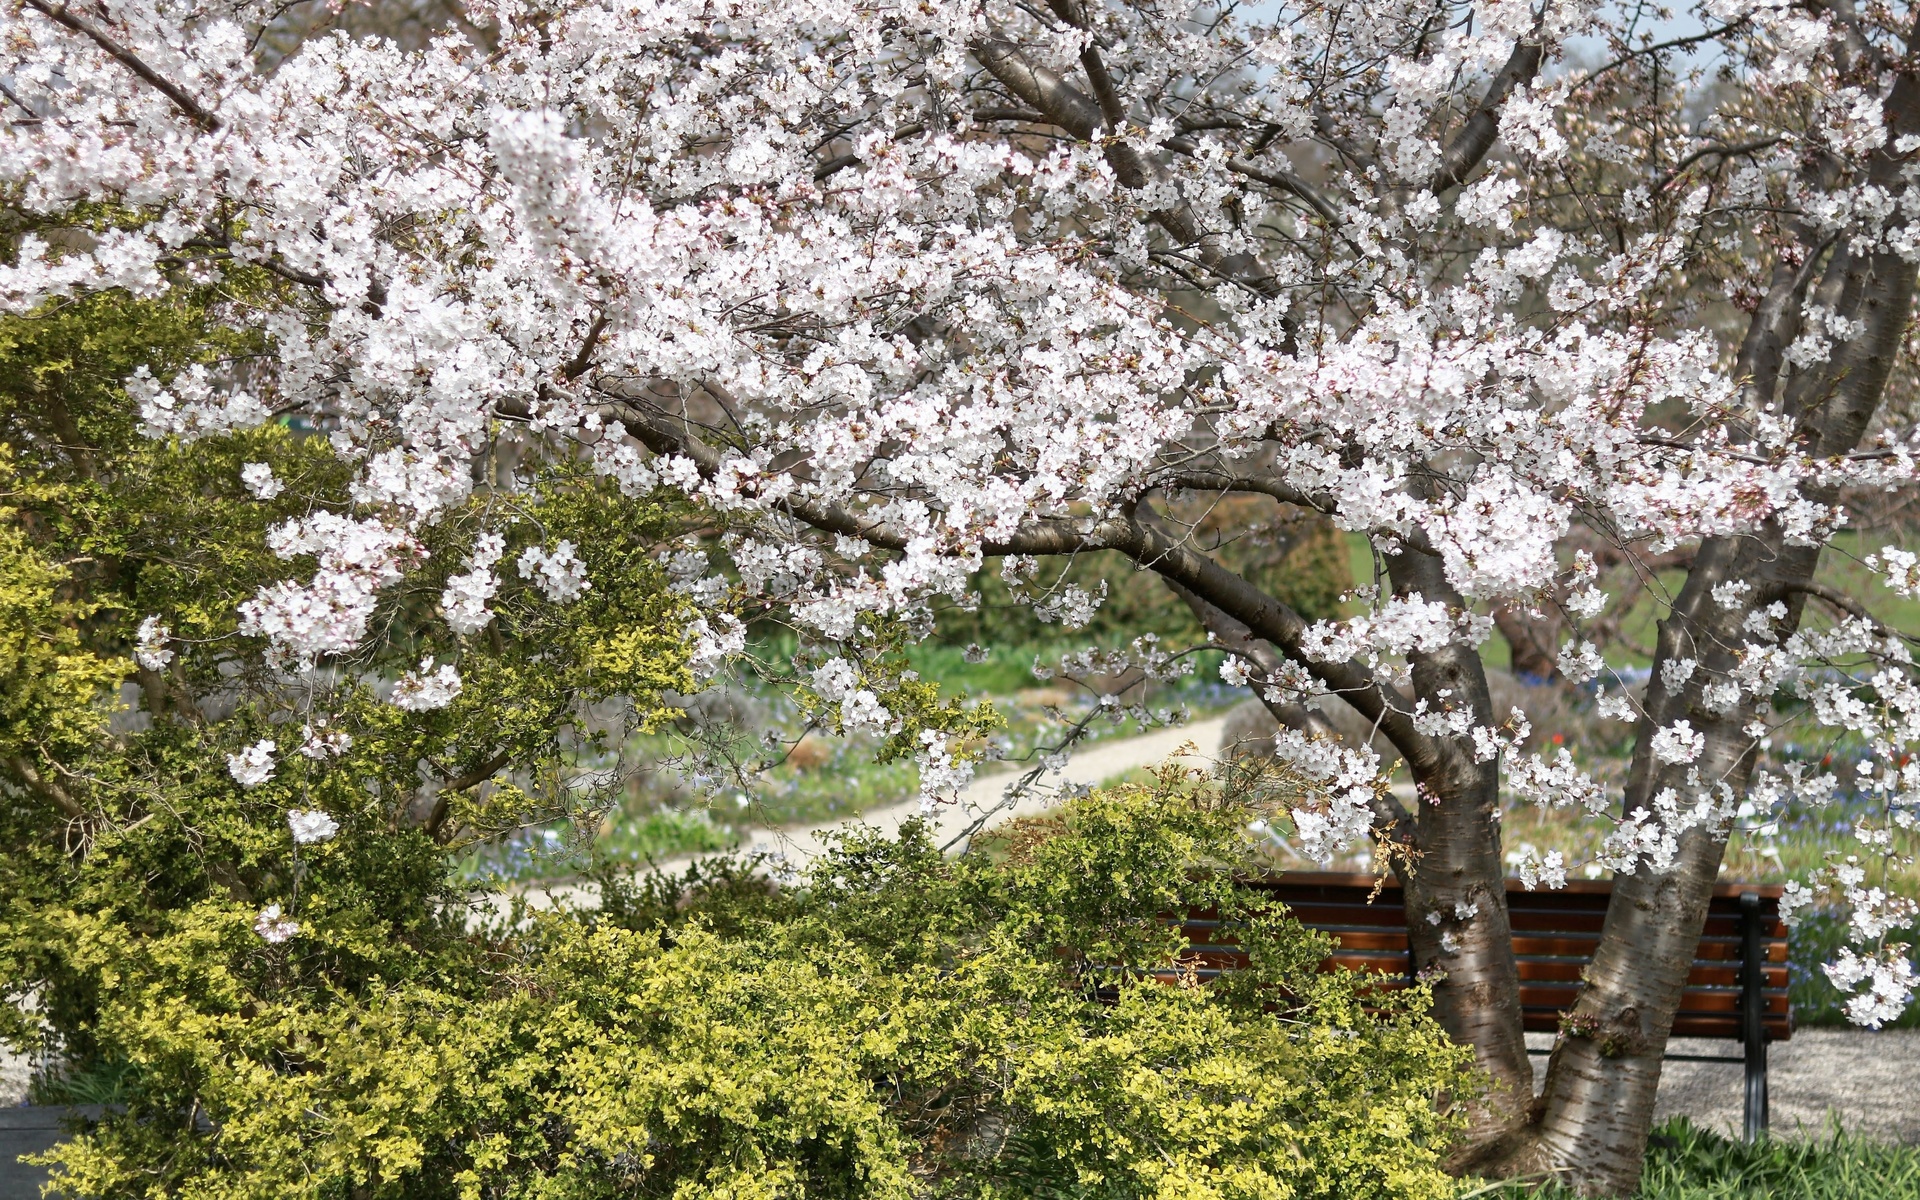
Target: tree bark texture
[(1597, 1106)]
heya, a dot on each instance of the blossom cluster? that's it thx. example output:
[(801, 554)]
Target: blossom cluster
[(894, 311)]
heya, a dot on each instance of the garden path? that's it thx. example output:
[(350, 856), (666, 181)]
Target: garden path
[(1863, 1078), (1092, 763)]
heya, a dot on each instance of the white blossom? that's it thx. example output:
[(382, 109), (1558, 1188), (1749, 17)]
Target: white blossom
[(1338, 807), (261, 484), (194, 405), (427, 688), (150, 645), (863, 711), (328, 614), (311, 826), (464, 600), (1882, 984), (1675, 672), (1535, 871), (273, 928), (1579, 662), (1678, 743), (941, 773), (323, 744), (1901, 568), (713, 642), (1732, 593), (560, 575), (254, 765)]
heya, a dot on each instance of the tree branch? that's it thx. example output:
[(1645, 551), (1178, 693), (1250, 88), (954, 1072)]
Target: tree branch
[(1233, 635), (49, 788), (1215, 479), (1674, 171), (127, 58), (1476, 137), (578, 365), (1264, 615), (437, 817), (1057, 100), (1273, 177), (1070, 109), (1846, 604)]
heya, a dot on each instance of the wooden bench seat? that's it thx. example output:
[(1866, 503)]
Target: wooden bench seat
[(1737, 988)]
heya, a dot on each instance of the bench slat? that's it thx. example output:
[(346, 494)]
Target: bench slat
[(1555, 934)]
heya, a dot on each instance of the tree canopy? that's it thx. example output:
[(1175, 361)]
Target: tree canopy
[(1543, 300)]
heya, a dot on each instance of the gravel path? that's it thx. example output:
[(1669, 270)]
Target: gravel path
[(1093, 763), (1868, 1080)]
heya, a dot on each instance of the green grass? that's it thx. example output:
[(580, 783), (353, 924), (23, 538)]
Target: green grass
[(663, 834), (1688, 1163)]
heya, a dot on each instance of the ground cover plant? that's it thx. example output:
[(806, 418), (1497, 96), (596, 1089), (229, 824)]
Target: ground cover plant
[(757, 314), (1685, 1162)]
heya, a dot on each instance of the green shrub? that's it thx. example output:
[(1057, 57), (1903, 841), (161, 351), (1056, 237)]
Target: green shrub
[(350, 1018), (894, 1024)]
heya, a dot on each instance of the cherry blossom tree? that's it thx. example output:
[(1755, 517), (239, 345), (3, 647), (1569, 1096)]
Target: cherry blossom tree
[(1539, 298)]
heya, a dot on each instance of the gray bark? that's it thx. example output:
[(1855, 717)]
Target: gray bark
[(1597, 1107)]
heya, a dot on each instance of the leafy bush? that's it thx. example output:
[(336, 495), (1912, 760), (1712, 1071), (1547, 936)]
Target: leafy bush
[(896, 1024), (235, 903)]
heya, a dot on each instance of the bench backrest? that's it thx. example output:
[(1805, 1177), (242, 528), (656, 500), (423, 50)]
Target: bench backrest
[(1554, 937)]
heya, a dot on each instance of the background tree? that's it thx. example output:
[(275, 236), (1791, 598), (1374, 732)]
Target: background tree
[(895, 288)]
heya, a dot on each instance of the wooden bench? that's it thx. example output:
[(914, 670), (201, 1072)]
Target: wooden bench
[(1737, 988)]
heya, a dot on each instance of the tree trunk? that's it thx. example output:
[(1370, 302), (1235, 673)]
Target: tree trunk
[(1597, 1107), (1455, 887)]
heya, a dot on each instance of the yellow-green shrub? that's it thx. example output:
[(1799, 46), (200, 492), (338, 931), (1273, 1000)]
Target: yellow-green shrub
[(894, 1025)]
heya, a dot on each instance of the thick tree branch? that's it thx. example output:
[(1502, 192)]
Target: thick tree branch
[(1057, 100), (59, 14), (1264, 615), (1477, 136), (583, 359), (50, 789)]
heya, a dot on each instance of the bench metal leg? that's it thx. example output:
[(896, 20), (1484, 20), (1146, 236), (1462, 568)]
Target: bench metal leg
[(1753, 1011)]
